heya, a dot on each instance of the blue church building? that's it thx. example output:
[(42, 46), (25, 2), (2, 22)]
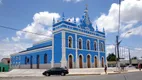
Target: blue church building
[(73, 45)]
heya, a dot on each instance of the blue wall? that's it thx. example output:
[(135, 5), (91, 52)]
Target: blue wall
[(57, 47), (83, 51), (21, 57), (73, 36), (70, 51)]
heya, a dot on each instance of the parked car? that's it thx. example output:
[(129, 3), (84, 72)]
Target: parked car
[(56, 71)]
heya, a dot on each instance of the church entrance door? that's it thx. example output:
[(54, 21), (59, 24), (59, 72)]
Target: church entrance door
[(102, 61), (96, 62), (88, 61), (80, 61), (70, 61)]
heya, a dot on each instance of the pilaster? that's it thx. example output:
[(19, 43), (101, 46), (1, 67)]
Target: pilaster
[(77, 61), (99, 62), (63, 60)]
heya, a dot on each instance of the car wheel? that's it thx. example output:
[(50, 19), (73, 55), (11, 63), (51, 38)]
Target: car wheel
[(63, 74), (47, 74)]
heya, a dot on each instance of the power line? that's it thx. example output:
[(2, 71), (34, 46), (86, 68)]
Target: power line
[(49, 36), (31, 32), (22, 30)]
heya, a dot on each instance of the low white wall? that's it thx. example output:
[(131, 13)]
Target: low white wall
[(90, 70)]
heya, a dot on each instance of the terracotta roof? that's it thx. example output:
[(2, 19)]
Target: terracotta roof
[(8, 59)]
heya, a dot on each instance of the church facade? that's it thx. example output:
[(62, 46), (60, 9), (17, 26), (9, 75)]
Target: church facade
[(73, 45)]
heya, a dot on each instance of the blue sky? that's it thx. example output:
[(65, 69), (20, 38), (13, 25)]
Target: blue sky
[(20, 14)]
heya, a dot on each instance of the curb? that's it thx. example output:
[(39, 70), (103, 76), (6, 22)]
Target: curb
[(81, 74)]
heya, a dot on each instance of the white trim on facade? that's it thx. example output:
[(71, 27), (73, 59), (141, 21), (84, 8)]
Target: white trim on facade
[(35, 50), (98, 53), (52, 60), (76, 51), (80, 29), (90, 60), (84, 49), (72, 60), (63, 60), (82, 33)]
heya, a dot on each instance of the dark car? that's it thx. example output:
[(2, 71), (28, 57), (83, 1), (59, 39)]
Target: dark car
[(56, 71)]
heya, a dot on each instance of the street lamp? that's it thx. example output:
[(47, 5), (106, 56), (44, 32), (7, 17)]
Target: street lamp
[(124, 36), (117, 48), (117, 37)]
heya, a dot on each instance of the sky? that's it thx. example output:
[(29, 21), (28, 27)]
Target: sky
[(36, 16)]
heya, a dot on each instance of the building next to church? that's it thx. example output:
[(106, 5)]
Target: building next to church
[(73, 45)]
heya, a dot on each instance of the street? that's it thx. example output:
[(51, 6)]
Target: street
[(123, 76)]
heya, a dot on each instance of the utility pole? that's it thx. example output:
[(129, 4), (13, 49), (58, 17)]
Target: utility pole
[(129, 58), (117, 37), (117, 50)]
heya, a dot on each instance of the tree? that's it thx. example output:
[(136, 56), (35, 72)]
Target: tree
[(134, 58), (111, 57)]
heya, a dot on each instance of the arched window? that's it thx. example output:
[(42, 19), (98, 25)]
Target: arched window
[(70, 45), (80, 43), (45, 58), (88, 44), (95, 45), (102, 46)]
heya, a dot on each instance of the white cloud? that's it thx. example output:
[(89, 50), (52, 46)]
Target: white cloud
[(0, 1), (138, 49), (124, 51), (72, 1), (126, 27), (6, 40), (9, 48), (42, 25), (134, 31), (110, 49), (131, 11), (136, 52)]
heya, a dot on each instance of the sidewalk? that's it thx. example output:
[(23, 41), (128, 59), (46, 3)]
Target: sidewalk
[(72, 72)]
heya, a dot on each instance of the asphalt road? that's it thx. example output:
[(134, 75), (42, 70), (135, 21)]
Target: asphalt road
[(124, 76)]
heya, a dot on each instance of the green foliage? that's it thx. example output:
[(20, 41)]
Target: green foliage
[(134, 58), (111, 57)]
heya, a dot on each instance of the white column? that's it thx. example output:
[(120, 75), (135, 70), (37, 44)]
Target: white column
[(98, 53), (77, 62), (63, 60), (52, 61)]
